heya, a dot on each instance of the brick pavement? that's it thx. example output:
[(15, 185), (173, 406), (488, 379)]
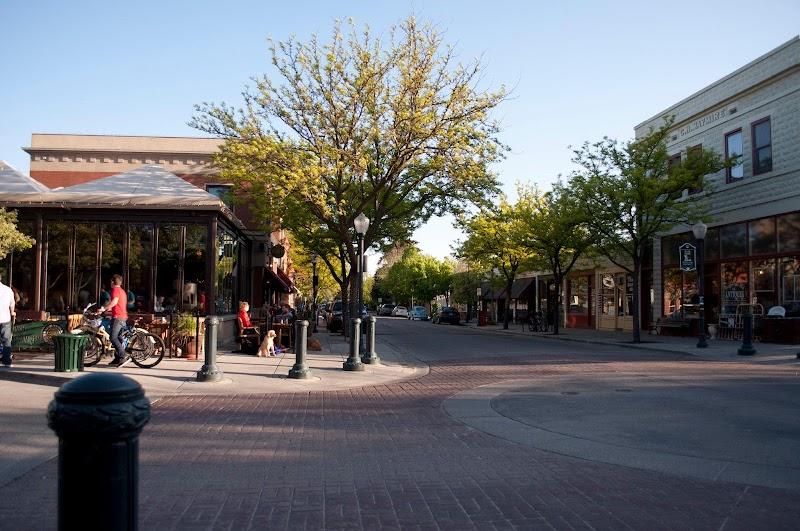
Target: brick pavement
[(387, 456)]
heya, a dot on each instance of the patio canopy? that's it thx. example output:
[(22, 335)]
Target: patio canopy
[(14, 182)]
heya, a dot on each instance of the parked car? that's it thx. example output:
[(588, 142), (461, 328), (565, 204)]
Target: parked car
[(385, 309), (418, 313), (400, 311), (447, 315)]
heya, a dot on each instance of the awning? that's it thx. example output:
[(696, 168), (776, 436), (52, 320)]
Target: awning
[(275, 282), (522, 288), (286, 280)]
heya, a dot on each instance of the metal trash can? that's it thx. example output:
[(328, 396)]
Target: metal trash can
[(69, 350)]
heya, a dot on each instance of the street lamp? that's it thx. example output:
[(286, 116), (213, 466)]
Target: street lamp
[(699, 231), (361, 223), (314, 282)]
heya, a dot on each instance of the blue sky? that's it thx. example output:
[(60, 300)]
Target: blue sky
[(578, 70)]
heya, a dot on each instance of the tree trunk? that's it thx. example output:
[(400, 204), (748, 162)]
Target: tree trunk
[(556, 299), (637, 328), (509, 284)]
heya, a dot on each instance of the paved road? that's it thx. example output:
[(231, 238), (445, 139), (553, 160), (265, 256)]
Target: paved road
[(394, 456)]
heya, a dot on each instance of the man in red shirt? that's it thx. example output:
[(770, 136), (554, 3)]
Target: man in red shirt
[(119, 317)]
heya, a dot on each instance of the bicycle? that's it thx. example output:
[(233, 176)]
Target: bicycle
[(537, 323), (144, 348)]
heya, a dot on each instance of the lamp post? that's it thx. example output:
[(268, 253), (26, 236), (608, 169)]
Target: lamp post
[(699, 231), (361, 224), (314, 282)]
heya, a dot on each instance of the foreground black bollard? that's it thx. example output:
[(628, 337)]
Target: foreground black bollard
[(300, 369), (353, 363), (747, 337), (98, 419), (209, 372), (370, 357)]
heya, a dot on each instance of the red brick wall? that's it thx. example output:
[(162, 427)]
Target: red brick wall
[(54, 179)]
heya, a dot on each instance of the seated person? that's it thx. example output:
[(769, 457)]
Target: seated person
[(159, 305), (248, 333)]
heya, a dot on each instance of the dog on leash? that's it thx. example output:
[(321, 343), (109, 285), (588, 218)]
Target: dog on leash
[(267, 347)]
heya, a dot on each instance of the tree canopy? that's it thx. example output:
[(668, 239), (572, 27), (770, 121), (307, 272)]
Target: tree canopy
[(396, 128), (418, 277), (11, 239)]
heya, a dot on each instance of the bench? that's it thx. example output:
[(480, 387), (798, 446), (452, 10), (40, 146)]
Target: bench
[(671, 324)]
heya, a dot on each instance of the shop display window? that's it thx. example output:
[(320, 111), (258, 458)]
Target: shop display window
[(194, 264), (733, 240), (789, 233), (762, 236), (579, 296), (790, 285), (762, 275), (168, 295)]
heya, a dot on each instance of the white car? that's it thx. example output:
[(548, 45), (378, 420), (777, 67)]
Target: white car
[(400, 311)]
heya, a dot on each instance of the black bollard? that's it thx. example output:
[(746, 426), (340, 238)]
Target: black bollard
[(209, 372), (353, 363), (747, 337), (98, 419), (370, 357), (300, 370)]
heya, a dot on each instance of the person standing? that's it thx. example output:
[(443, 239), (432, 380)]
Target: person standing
[(7, 314), (119, 317)]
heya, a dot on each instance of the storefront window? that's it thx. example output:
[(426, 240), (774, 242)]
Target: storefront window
[(669, 247), (167, 267), (579, 296), (194, 264), (227, 254), (762, 236), (733, 240), (23, 271), (628, 310), (711, 246), (673, 290), (140, 261), (607, 296), (84, 291), (790, 286), (59, 236), (734, 286), (763, 283), (113, 235), (789, 233)]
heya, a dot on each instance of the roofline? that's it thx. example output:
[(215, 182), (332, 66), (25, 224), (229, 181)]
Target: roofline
[(131, 136), (30, 149), (739, 70)]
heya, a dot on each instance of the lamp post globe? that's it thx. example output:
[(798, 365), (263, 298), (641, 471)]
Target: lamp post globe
[(699, 229)]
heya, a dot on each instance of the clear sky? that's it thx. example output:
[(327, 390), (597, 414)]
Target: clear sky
[(578, 69)]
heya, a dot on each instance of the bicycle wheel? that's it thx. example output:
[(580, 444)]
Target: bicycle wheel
[(94, 351), (145, 349)]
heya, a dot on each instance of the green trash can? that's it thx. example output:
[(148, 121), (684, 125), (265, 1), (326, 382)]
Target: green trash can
[(69, 349)]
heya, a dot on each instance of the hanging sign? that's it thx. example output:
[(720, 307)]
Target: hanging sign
[(688, 254)]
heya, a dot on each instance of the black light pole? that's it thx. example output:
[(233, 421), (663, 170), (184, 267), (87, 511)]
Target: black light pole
[(700, 230), (361, 224), (314, 282)]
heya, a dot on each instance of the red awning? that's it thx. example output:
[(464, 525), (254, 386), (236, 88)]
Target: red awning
[(276, 282)]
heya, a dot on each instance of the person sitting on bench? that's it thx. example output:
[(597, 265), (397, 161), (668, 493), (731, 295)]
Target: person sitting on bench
[(249, 336)]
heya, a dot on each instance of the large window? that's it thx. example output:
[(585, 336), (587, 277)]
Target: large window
[(762, 236), (167, 267), (790, 285), (762, 146), (140, 261), (112, 259), (579, 295), (194, 266), (733, 240), (222, 191), (227, 272), (734, 286), (59, 236), (733, 149), (763, 283), (84, 291), (789, 233)]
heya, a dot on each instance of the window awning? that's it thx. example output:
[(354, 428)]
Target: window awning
[(276, 281), (522, 288)]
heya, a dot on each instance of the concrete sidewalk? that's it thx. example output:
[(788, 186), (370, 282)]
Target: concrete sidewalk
[(717, 350)]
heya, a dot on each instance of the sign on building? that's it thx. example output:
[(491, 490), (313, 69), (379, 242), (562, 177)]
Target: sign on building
[(688, 254)]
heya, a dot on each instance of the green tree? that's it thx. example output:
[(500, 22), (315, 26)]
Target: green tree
[(11, 239), (556, 235), (418, 277), (629, 193), (465, 282), (396, 129), (495, 242)]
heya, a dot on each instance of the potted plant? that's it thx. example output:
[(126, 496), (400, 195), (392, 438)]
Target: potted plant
[(184, 330)]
